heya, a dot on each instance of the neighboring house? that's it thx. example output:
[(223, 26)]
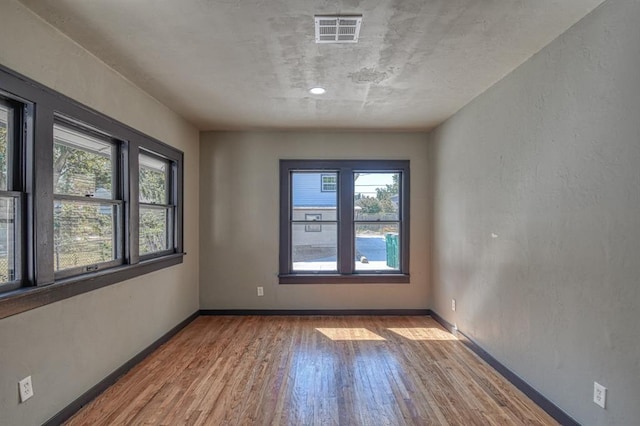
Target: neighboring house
[(314, 201)]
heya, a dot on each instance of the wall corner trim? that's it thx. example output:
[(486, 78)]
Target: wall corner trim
[(553, 410), (71, 409)]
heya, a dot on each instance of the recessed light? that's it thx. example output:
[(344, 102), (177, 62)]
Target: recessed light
[(317, 91)]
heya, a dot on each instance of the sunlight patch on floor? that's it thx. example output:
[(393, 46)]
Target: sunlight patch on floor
[(421, 333), (349, 334)]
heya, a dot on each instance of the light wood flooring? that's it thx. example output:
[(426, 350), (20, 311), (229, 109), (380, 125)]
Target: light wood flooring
[(289, 370)]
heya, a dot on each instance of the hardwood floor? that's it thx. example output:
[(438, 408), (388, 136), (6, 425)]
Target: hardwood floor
[(312, 371)]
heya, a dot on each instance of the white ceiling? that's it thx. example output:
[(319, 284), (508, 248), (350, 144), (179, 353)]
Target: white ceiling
[(246, 64)]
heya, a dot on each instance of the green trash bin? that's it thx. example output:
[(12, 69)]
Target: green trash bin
[(393, 250)]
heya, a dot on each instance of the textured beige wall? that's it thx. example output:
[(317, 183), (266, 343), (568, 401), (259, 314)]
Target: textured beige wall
[(536, 220), (69, 346), (239, 214)]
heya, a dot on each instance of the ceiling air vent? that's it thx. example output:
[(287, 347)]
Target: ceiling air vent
[(338, 29)]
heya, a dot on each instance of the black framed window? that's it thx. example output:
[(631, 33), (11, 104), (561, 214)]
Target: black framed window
[(12, 212), (357, 233), (377, 221), (88, 204), (157, 209), (85, 201)]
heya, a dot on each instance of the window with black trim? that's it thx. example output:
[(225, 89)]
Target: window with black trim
[(157, 209), (85, 201), (11, 194), (357, 233), (88, 204)]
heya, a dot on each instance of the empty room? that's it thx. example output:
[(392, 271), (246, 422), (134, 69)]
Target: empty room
[(297, 212)]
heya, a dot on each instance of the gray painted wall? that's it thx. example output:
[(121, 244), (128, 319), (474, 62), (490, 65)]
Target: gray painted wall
[(536, 217), (69, 346), (239, 174), (535, 224)]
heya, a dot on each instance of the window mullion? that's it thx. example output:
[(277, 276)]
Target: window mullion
[(286, 214), (177, 187), (133, 209), (42, 210), (404, 220), (25, 179), (345, 225)]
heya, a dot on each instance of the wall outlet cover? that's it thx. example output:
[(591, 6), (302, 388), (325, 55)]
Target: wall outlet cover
[(26, 388), (599, 394), (453, 304), (260, 291)]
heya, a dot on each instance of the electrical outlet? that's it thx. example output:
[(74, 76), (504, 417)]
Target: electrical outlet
[(599, 394), (260, 291), (26, 389), (453, 304)]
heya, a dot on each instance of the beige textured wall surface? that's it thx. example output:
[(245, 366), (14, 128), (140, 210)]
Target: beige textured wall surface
[(239, 195), (536, 217), (69, 346)]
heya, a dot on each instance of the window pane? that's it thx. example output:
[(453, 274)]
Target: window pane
[(316, 250), (376, 196), (153, 229), (82, 164), (377, 247), (7, 239), (309, 198), (84, 233), (5, 132), (153, 180)]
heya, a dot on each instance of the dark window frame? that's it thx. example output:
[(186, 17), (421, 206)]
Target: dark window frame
[(118, 170), (170, 206), (40, 108), (16, 136), (346, 221)]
